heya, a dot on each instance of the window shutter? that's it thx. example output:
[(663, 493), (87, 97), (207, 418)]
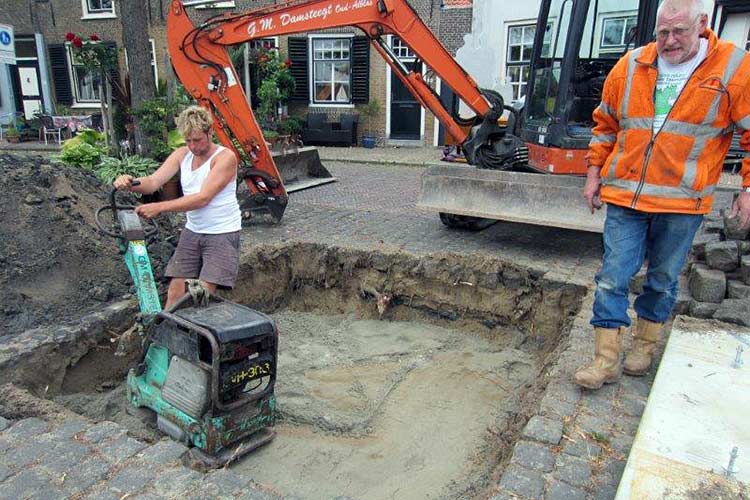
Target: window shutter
[(360, 70), (298, 56), (58, 60)]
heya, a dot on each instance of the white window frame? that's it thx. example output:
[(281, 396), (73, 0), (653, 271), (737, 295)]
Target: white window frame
[(26, 39), (517, 86), (747, 41), (273, 39), (88, 14), (621, 45), (311, 70), (77, 102), (153, 61), (228, 4)]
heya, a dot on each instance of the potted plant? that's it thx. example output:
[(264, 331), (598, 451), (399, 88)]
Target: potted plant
[(368, 111), (12, 135)]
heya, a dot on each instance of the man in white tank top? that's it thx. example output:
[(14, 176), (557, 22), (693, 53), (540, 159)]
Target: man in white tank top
[(209, 245)]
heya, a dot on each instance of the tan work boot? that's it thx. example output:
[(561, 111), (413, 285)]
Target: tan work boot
[(638, 360), (605, 368)]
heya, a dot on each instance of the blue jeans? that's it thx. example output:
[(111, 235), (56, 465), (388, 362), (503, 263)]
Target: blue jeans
[(630, 237)]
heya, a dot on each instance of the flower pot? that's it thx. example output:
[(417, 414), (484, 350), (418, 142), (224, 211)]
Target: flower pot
[(13, 138), (368, 141), (172, 189)]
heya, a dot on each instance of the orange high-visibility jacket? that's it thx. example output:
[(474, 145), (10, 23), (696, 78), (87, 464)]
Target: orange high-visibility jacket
[(675, 169)]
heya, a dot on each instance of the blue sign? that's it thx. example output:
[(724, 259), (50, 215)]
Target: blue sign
[(5, 38)]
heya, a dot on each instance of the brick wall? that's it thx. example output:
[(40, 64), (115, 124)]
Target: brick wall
[(17, 14), (56, 17), (454, 24)]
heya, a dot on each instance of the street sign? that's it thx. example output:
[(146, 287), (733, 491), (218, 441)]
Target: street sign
[(7, 45)]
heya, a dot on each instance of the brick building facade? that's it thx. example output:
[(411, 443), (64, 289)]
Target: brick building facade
[(40, 28)]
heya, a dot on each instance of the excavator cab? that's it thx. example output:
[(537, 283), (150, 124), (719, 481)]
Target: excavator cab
[(576, 44)]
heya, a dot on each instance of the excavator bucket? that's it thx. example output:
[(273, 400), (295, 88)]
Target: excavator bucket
[(529, 198), (300, 168)]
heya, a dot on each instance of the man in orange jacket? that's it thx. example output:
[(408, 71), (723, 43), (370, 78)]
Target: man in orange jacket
[(662, 130)]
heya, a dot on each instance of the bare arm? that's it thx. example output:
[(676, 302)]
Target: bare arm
[(223, 171), (151, 183)]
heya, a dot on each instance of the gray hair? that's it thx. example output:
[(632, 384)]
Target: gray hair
[(695, 8)]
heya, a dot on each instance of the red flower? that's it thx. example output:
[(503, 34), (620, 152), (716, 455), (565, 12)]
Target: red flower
[(77, 43), (69, 36), (288, 63), (94, 38)]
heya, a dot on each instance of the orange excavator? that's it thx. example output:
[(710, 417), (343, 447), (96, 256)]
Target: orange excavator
[(506, 146)]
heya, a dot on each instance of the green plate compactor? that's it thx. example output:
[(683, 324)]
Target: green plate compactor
[(209, 367)]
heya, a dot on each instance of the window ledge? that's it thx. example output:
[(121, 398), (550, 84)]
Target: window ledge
[(106, 15), (86, 105), (332, 105)]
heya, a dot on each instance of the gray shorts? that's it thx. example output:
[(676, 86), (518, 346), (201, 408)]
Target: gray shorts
[(214, 258)]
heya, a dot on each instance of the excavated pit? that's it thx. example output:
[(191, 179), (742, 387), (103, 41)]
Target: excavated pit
[(399, 376)]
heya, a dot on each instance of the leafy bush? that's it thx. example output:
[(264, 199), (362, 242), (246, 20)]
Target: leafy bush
[(61, 109), (156, 119), (291, 126), (369, 110), (270, 135), (277, 82), (87, 135), (175, 139), (138, 166), (84, 150), (81, 155)]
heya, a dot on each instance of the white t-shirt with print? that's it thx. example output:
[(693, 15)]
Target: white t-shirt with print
[(670, 81)]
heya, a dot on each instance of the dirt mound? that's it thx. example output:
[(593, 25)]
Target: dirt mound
[(55, 264)]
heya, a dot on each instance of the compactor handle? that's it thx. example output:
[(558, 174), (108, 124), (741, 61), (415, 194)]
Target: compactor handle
[(113, 204), (114, 207)]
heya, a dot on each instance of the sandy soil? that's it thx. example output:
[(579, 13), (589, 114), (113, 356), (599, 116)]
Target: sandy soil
[(387, 409)]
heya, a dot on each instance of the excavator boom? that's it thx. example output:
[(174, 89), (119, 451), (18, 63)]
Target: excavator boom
[(202, 63), (549, 135)]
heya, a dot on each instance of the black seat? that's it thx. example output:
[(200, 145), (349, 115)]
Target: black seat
[(315, 120)]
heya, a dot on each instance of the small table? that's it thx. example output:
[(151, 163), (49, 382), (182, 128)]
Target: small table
[(72, 122)]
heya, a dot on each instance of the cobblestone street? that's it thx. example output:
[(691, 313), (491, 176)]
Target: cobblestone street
[(573, 446)]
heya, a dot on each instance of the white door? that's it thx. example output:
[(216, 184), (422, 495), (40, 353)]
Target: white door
[(32, 101)]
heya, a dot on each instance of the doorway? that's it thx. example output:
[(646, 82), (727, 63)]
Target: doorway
[(26, 78), (405, 117)]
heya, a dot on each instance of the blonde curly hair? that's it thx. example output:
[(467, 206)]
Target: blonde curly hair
[(194, 119)]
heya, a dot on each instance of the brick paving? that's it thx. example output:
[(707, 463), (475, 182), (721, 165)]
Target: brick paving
[(573, 446)]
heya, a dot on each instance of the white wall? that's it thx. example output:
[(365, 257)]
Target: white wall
[(483, 53)]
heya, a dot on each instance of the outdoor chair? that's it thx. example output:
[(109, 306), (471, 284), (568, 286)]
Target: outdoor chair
[(49, 130), (11, 122)]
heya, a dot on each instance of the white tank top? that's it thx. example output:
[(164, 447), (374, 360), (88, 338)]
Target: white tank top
[(222, 214)]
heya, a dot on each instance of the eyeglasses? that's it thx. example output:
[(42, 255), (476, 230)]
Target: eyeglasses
[(676, 32)]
